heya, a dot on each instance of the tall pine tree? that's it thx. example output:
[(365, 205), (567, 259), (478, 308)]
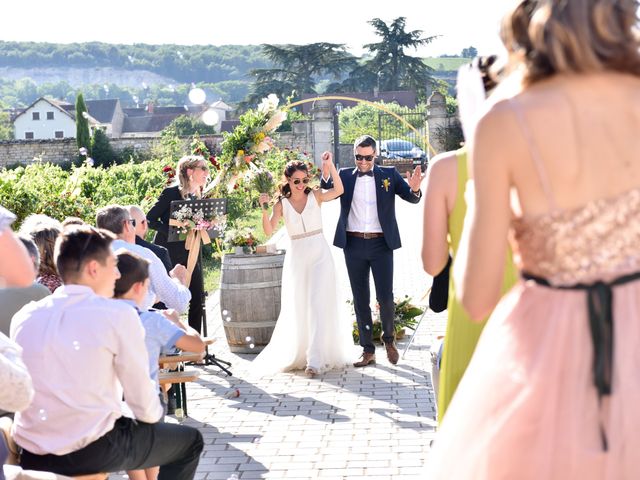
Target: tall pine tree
[(83, 136)]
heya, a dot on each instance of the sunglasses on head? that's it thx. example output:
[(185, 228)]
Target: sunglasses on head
[(297, 181), (366, 158)]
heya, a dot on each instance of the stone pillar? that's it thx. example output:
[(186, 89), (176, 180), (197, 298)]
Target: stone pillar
[(437, 120), (322, 129)]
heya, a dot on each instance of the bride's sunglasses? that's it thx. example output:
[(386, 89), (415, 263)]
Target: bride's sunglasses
[(298, 181)]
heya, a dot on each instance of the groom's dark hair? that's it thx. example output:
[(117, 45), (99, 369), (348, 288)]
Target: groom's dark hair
[(364, 141)]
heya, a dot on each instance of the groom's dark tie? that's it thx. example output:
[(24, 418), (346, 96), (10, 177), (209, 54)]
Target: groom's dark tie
[(369, 173)]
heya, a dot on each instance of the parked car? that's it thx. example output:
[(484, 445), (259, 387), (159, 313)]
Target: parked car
[(397, 148)]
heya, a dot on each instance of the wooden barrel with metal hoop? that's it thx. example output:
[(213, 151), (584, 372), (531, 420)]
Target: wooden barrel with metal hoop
[(250, 288)]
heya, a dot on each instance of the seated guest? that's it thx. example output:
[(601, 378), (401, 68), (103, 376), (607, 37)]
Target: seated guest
[(15, 268), (72, 221), (169, 288), (161, 333), (13, 299), (84, 350), (142, 227), (44, 230)]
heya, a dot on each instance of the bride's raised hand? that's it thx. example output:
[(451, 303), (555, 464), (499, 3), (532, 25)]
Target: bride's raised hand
[(263, 200)]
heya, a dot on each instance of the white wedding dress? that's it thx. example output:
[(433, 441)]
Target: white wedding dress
[(309, 331)]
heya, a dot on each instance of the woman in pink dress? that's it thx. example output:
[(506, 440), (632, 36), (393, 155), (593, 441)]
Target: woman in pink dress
[(553, 389)]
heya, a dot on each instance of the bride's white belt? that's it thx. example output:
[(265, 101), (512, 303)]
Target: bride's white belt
[(306, 234)]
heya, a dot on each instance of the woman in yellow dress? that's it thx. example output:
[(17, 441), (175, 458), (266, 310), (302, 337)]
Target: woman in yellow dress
[(444, 211)]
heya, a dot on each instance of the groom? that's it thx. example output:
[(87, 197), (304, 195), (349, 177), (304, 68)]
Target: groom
[(368, 233)]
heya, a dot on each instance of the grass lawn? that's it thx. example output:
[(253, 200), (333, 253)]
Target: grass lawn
[(212, 259), (446, 64)]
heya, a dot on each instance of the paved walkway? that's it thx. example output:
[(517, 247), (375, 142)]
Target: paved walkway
[(376, 422)]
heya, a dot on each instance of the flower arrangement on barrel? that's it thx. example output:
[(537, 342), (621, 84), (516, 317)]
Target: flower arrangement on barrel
[(241, 239)]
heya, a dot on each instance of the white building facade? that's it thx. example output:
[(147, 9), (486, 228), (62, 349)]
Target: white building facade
[(44, 120)]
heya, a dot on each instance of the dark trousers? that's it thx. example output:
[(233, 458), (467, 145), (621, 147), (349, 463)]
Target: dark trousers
[(130, 445), (371, 255), (196, 287)]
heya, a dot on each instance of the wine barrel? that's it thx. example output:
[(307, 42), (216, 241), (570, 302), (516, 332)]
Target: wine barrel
[(250, 288)]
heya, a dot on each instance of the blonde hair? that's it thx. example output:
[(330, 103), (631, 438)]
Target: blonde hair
[(185, 163), (547, 37)]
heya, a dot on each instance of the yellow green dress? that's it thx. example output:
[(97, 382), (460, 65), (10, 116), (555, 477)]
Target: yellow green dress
[(462, 333)]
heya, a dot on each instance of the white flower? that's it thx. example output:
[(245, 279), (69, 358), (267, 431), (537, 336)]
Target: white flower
[(269, 104), (89, 161)]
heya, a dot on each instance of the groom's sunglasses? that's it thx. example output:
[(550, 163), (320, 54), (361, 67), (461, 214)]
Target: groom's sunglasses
[(297, 181), (366, 158)]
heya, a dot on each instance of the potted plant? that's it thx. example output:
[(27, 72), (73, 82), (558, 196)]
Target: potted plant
[(405, 317)]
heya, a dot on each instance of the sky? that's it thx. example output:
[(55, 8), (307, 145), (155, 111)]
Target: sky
[(460, 23)]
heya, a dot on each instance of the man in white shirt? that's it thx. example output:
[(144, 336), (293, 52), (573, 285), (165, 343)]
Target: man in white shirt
[(169, 289), (368, 233), (84, 351)]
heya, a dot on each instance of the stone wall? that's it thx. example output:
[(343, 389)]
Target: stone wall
[(27, 151), (312, 136)]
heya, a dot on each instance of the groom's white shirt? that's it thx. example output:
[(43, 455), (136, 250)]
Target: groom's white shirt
[(363, 216)]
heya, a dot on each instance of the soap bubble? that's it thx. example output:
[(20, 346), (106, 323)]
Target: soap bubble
[(228, 319), (197, 96), (225, 312), (248, 339), (76, 345), (210, 117), (251, 345), (42, 414), (85, 114)]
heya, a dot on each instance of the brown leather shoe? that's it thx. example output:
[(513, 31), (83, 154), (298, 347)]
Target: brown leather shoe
[(392, 352), (367, 359)]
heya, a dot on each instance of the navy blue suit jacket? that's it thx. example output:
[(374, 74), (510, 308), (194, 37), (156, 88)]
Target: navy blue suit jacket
[(388, 183)]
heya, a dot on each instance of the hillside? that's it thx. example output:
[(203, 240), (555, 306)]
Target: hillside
[(137, 74)]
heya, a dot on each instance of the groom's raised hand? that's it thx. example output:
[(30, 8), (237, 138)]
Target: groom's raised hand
[(415, 178)]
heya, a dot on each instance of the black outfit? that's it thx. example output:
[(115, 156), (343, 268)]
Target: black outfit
[(158, 218), (161, 252), (372, 253), (130, 445)]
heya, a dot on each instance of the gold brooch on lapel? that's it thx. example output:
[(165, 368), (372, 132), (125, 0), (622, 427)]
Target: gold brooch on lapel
[(385, 184)]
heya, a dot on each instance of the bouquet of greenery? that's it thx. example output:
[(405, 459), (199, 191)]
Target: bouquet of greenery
[(262, 181), (252, 137)]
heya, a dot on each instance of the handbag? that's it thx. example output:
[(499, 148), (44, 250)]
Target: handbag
[(439, 295)]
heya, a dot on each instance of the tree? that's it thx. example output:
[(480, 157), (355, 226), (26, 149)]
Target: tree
[(101, 150), (83, 136), (393, 68), (470, 52), (298, 68), (185, 126)]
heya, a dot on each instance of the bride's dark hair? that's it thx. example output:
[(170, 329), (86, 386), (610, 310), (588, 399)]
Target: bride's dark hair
[(283, 188)]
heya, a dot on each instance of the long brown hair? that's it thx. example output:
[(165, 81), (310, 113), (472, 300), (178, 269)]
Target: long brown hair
[(283, 188), (547, 37)]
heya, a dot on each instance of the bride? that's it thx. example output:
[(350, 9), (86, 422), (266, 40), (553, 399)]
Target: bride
[(309, 333)]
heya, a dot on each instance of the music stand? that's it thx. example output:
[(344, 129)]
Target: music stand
[(210, 207)]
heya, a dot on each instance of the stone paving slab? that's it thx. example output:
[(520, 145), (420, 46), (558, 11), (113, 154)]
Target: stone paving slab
[(376, 422)]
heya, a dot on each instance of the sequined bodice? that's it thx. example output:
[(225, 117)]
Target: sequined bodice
[(598, 241)]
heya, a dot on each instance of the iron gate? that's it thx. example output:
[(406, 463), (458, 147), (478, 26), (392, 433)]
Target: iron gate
[(400, 145)]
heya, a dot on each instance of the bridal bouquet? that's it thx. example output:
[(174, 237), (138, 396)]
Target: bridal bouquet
[(262, 181)]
